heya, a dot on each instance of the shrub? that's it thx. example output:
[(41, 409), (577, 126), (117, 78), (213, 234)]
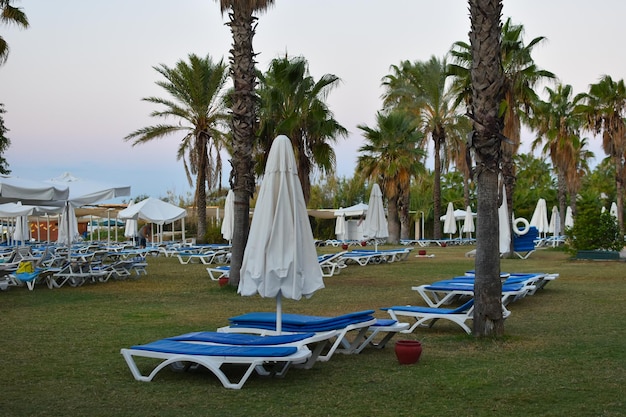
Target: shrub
[(594, 230)]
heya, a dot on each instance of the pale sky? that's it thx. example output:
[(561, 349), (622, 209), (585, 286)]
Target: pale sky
[(73, 83)]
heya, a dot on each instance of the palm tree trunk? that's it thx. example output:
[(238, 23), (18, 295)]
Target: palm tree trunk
[(487, 81), (201, 186), (437, 187), (393, 221), (243, 125), (405, 220)]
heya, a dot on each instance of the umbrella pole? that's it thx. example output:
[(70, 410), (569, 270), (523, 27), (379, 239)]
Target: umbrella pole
[(279, 313)]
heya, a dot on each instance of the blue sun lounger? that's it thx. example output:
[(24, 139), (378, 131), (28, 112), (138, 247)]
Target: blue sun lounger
[(242, 339), (428, 316), (444, 292), (213, 357), (300, 322), (327, 329)]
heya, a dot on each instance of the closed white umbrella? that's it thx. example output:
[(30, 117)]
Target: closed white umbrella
[(375, 224), (68, 226), (613, 210), (280, 259), (554, 226), (340, 227), (228, 224), (569, 217), (19, 213), (449, 223), (540, 217), (503, 220), (468, 222)]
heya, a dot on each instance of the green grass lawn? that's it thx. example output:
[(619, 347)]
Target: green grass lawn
[(564, 353)]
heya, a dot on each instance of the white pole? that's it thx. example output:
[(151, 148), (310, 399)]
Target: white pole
[(109, 227)]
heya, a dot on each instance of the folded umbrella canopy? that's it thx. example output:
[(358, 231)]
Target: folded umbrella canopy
[(468, 222), (449, 223), (375, 224), (280, 259), (554, 226), (540, 217), (504, 231), (228, 224)]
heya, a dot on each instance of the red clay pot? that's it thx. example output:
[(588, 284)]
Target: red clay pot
[(408, 351)]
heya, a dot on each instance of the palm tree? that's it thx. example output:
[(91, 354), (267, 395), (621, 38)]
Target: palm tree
[(420, 89), (579, 170), (604, 109), (392, 155), (244, 118), (521, 76), (196, 88), (292, 103), (487, 80), (534, 181), (10, 15), (558, 129), (456, 152), (5, 142)]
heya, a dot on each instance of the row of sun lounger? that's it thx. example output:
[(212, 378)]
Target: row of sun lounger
[(441, 294), (333, 263), (58, 266), (252, 342)]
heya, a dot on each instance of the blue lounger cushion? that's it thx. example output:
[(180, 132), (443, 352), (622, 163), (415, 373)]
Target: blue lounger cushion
[(182, 348), (433, 310), (467, 286), (299, 322), (384, 322), (241, 338)]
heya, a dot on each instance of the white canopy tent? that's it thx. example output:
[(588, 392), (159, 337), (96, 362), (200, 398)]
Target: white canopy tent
[(83, 192), (353, 216), (356, 210), (14, 189), (155, 211)]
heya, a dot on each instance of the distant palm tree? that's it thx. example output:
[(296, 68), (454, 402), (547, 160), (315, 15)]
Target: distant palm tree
[(558, 129), (579, 170), (456, 153), (293, 103), (420, 89), (535, 180), (604, 110), (392, 155), (196, 88), (487, 80), (10, 15), (5, 142), (244, 118)]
